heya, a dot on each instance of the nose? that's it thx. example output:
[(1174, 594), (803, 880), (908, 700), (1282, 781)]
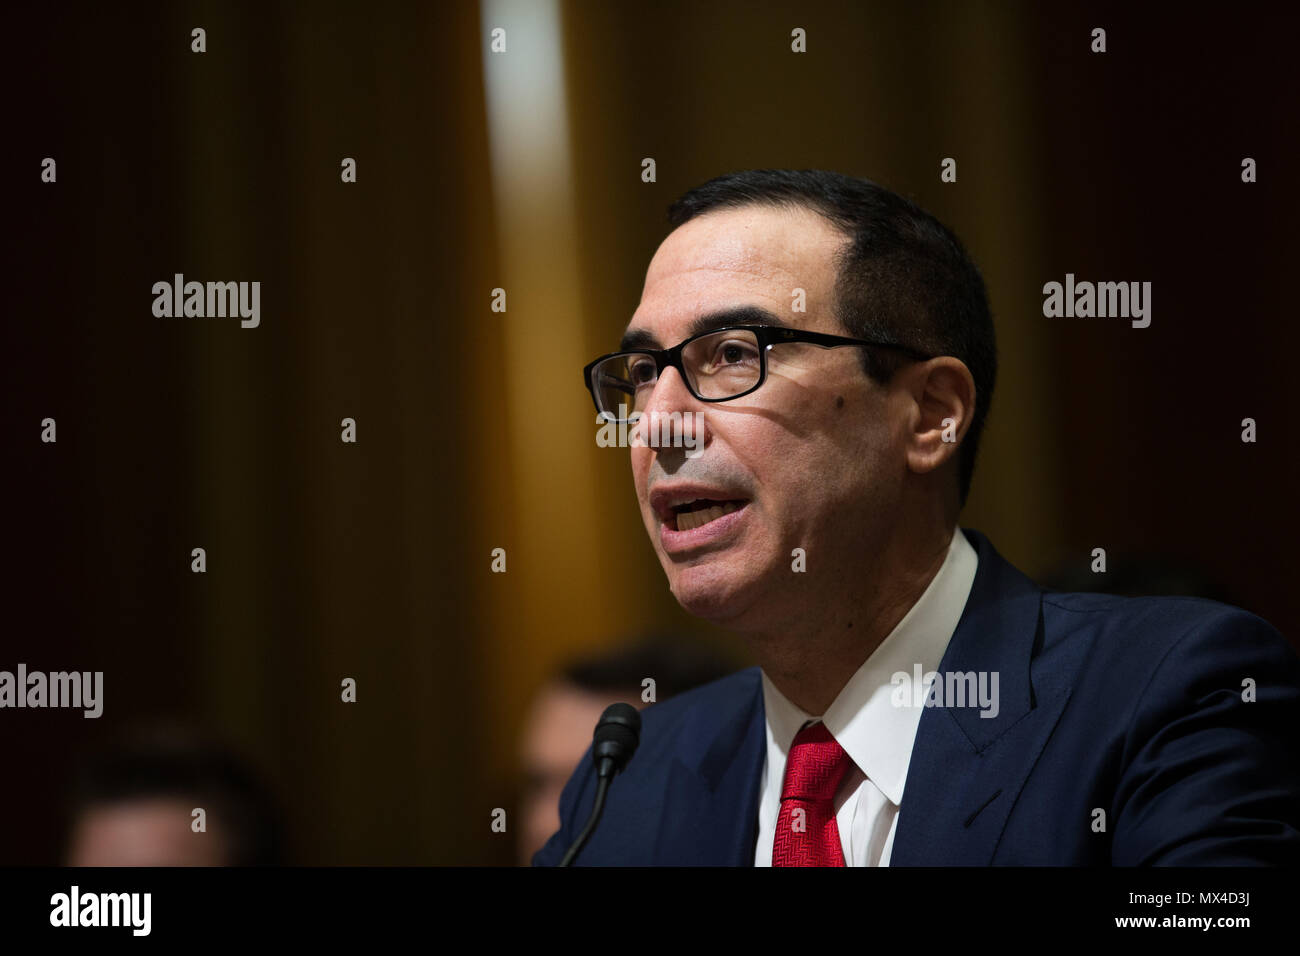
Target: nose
[(673, 417)]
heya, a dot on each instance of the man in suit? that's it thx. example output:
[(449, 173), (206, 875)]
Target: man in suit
[(824, 354)]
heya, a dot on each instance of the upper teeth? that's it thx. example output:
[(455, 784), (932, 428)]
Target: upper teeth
[(687, 520)]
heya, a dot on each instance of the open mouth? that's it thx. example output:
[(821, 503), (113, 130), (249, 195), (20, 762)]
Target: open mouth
[(694, 514)]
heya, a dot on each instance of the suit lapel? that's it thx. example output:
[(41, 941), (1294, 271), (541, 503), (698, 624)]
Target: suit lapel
[(967, 770), (710, 805)]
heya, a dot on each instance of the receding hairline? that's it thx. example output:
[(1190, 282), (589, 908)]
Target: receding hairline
[(842, 231), (797, 205), (790, 204), (634, 338)]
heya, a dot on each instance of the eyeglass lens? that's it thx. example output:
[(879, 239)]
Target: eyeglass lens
[(719, 365)]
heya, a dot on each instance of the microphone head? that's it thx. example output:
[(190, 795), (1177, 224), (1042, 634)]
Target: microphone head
[(617, 734)]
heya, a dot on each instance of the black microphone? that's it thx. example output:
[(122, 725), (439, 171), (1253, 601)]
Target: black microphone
[(617, 734)]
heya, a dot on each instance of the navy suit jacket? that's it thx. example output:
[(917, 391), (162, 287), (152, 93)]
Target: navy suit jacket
[(1128, 706)]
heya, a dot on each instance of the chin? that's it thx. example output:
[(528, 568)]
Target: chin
[(715, 593)]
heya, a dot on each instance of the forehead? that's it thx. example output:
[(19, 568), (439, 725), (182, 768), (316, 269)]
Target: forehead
[(732, 258)]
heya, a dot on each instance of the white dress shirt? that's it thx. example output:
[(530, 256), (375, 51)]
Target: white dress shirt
[(875, 732)]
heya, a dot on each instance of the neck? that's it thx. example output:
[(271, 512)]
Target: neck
[(811, 652)]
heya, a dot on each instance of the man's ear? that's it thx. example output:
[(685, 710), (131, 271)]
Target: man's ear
[(942, 404)]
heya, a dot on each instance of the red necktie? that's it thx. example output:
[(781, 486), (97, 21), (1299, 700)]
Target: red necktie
[(806, 832)]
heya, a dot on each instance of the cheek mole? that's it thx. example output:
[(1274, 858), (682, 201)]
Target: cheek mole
[(839, 401)]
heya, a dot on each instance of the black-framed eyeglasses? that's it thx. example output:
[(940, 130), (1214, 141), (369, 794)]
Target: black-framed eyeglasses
[(717, 366)]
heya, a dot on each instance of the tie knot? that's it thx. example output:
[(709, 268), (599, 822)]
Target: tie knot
[(816, 765)]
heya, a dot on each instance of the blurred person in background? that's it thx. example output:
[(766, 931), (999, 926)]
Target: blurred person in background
[(563, 716), (133, 805)]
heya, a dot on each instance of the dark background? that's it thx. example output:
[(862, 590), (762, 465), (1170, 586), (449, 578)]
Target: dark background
[(328, 560)]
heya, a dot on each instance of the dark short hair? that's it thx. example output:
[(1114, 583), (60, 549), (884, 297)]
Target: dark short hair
[(903, 278), (675, 664)]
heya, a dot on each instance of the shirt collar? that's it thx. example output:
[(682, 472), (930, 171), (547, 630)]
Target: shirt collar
[(875, 732)]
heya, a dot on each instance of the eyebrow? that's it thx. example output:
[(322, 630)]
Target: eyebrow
[(741, 315)]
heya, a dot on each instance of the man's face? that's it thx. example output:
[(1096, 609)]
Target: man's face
[(558, 733), (811, 457)]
